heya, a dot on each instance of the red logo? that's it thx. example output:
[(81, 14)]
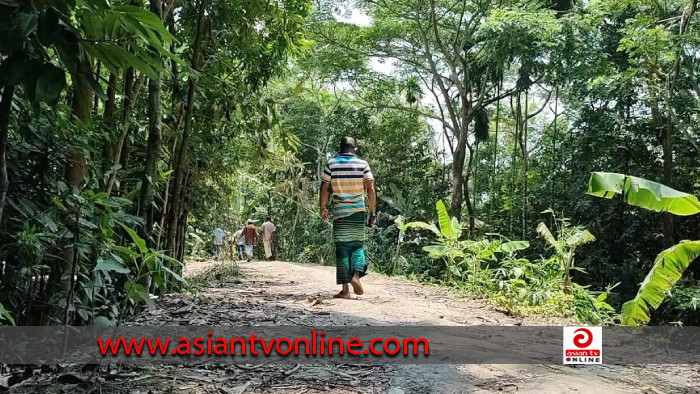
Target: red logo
[(582, 353), (583, 339), (583, 345)]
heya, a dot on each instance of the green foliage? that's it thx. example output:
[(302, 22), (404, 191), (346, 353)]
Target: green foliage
[(491, 268), (670, 264), (667, 270), (264, 103), (30, 36), (565, 244), (682, 305), (481, 124), (5, 314), (78, 246), (643, 193)]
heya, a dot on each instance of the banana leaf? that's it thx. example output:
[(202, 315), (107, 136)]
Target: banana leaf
[(667, 270), (450, 228), (643, 193)]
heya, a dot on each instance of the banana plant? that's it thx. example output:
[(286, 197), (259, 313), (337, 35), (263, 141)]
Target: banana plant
[(565, 244), (670, 264), (447, 246)]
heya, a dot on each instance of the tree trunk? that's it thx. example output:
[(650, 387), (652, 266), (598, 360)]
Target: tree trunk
[(523, 132), (668, 181), (74, 174), (513, 161), (665, 136), (154, 142), (458, 158), (82, 97), (554, 141), (467, 199), (182, 151), (183, 235), (476, 173), (176, 121), (166, 196), (5, 109), (95, 100), (494, 185), (127, 107), (110, 105)]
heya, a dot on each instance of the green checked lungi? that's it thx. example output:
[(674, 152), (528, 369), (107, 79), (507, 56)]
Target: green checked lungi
[(349, 237)]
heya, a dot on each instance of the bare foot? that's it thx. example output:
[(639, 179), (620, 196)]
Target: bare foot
[(342, 295), (357, 286)]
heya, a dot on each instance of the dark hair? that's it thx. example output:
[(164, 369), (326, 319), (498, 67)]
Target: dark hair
[(250, 222), (347, 144), (269, 219)]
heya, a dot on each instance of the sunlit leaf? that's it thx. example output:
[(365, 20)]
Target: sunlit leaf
[(422, 226), (667, 270), (445, 223), (643, 193), (513, 246), (580, 238), (543, 231), (4, 313)]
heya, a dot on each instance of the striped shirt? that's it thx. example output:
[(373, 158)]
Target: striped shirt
[(346, 174)]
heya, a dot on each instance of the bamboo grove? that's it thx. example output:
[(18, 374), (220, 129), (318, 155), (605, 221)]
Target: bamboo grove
[(105, 105)]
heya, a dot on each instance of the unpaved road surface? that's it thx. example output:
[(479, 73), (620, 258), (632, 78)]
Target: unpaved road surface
[(287, 292), (281, 293)]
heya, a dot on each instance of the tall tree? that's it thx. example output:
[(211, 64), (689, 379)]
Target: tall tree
[(460, 49), (180, 160), (154, 139)]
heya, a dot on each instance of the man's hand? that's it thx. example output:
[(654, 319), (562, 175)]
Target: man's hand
[(371, 219), (323, 199)]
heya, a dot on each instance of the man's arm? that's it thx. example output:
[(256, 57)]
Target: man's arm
[(371, 195), (372, 201), (325, 191), (323, 199)]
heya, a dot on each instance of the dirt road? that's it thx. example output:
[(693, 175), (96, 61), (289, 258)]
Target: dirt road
[(287, 293), (280, 293)]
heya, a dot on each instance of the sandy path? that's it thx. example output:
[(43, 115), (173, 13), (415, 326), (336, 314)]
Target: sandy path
[(280, 293), (390, 301)]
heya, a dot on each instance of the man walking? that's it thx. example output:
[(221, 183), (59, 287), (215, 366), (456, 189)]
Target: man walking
[(349, 178), (218, 238), (250, 234), (268, 230), (239, 239)]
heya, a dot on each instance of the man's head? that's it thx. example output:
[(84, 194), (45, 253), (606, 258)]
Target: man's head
[(250, 222), (269, 219), (348, 145)]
